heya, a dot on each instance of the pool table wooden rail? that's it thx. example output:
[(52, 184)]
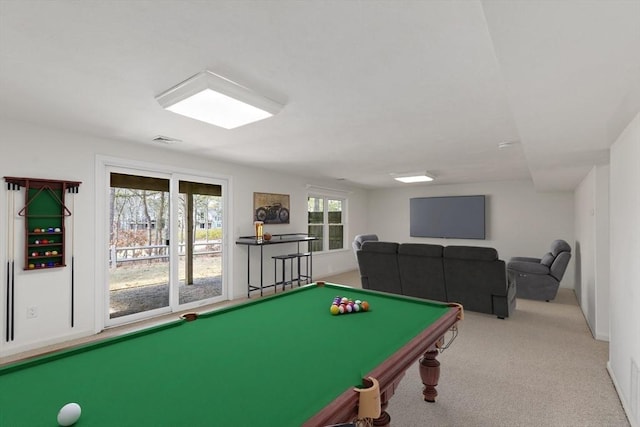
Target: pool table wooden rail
[(424, 347)]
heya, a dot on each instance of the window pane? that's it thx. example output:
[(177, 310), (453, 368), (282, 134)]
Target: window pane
[(316, 210), (335, 237), (335, 217), (335, 211), (316, 231)]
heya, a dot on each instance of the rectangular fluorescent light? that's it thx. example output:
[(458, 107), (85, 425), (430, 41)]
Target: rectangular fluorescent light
[(410, 178), (219, 101)]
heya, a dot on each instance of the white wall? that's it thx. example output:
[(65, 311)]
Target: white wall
[(602, 253), (31, 151), (584, 252), (592, 249), (624, 348), (520, 221)]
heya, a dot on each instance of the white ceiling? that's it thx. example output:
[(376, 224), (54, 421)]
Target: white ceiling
[(370, 87)]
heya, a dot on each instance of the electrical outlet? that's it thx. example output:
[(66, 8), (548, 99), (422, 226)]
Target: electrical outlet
[(32, 312)]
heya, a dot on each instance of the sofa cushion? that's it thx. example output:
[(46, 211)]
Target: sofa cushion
[(547, 259), (471, 252), (378, 262), (419, 249), (380, 247), (421, 271), (361, 238), (559, 265), (474, 276), (558, 246)]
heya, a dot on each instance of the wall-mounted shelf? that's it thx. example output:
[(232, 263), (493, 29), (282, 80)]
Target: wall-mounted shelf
[(44, 211)]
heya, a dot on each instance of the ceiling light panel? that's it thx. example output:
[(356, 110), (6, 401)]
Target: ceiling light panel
[(410, 178), (216, 100)]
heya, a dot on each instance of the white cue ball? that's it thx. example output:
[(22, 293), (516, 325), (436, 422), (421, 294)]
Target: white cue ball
[(69, 414)]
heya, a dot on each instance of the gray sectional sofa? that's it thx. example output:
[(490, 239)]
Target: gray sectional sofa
[(469, 275)]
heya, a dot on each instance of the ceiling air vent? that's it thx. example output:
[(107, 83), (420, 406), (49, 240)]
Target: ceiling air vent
[(166, 140)]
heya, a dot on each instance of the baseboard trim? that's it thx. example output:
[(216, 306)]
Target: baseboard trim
[(625, 405)]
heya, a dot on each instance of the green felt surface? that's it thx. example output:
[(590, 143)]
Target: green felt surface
[(272, 362)]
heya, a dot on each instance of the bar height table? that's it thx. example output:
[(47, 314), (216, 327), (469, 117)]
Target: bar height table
[(275, 239)]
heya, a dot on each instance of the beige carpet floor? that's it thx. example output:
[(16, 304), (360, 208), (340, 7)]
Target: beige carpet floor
[(540, 367)]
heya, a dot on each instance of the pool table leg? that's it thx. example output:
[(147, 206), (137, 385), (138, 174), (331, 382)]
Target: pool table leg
[(430, 374), (384, 420)]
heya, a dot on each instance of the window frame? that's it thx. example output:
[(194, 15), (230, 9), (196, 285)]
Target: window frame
[(325, 219)]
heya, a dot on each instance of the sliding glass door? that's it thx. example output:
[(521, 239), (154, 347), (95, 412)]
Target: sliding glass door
[(138, 251), (200, 241), (165, 243)]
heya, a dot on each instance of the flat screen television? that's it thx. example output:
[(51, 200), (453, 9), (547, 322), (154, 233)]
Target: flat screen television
[(453, 217)]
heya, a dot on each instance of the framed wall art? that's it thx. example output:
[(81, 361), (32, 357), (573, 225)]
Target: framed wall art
[(271, 208)]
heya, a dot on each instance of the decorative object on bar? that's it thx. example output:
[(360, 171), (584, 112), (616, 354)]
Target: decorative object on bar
[(259, 227)]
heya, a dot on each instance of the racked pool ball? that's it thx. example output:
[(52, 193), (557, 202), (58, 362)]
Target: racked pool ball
[(334, 310), (364, 306)]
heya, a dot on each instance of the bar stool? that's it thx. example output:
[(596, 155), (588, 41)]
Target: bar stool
[(307, 276), (284, 282)]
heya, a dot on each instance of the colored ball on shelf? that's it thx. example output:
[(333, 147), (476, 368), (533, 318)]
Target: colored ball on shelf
[(36, 230), (57, 229), (44, 241), (37, 242), (50, 229), (54, 252), (334, 310), (32, 266), (34, 253)]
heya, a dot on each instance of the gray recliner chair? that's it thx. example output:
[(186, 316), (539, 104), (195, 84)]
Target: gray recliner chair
[(539, 278), (360, 239)]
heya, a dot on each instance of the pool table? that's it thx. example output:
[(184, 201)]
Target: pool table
[(282, 360)]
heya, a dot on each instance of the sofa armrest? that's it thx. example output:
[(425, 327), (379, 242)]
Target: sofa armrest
[(528, 267)]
